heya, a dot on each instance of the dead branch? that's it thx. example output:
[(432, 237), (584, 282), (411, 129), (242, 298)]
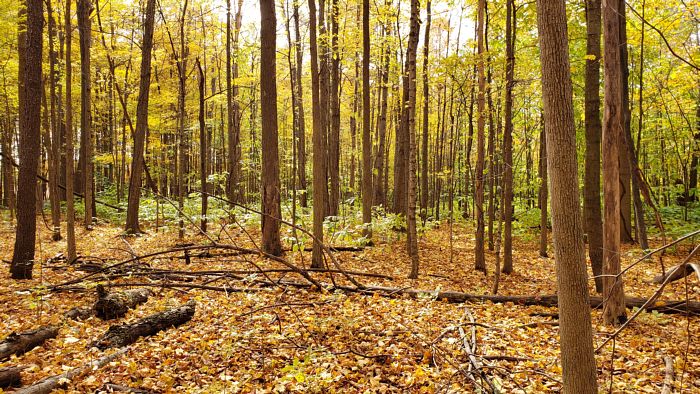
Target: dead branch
[(112, 305), (669, 376), (25, 341)]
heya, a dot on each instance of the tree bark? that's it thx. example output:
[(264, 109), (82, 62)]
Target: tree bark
[(366, 131), (86, 136), (137, 161), (591, 198), (319, 162), (624, 150), (55, 139), (30, 54), (23, 342), (71, 253), (426, 101), (126, 334), (543, 192), (508, 140), (410, 118), (576, 338), (334, 129), (272, 212), (10, 377), (301, 132), (479, 258), (613, 127), (113, 305), (203, 147)]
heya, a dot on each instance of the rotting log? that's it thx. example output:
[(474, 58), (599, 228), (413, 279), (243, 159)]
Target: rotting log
[(80, 313), (25, 341), (126, 334), (112, 305), (10, 377), (676, 273), (54, 382)]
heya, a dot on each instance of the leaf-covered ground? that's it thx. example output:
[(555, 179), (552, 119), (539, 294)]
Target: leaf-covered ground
[(302, 340)]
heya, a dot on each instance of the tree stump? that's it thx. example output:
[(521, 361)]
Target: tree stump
[(25, 341), (126, 334), (112, 305)]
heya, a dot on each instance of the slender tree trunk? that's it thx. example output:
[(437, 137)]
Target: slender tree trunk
[(334, 131), (544, 192), (272, 212), (575, 334), (203, 146), (71, 254), (508, 140), (379, 167), (426, 101), (625, 166), (366, 136), (181, 116), (411, 52), (324, 99), (301, 137), (137, 165), (479, 258), (591, 197), (613, 127), (55, 153), (30, 49), (319, 162), (85, 29)]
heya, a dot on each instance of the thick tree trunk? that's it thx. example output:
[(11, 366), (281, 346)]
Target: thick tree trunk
[(576, 338), (591, 189), (30, 49), (271, 210), (126, 334), (508, 140), (113, 305), (479, 258), (23, 342), (137, 165), (613, 127)]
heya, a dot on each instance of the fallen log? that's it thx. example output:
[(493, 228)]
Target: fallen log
[(79, 313), (51, 383), (112, 305), (671, 306), (675, 273), (126, 334), (10, 377), (25, 341)]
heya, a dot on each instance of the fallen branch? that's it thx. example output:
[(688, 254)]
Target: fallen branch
[(126, 334), (112, 305), (25, 341), (675, 273), (10, 377), (669, 376), (118, 388), (51, 383)]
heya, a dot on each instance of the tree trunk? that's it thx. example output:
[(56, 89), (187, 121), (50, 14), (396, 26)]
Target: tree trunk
[(55, 153), (479, 258), (624, 150), (137, 165), (613, 127), (319, 162), (508, 140), (366, 136), (591, 198), (334, 130), (301, 136), (71, 253), (410, 118), (576, 339), (272, 212), (203, 148), (86, 138), (30, 49), (181, 115), (126, 334), (543, 192), (426, 101)]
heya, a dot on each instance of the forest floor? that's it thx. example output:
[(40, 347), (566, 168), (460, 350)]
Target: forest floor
[(302, 340)]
